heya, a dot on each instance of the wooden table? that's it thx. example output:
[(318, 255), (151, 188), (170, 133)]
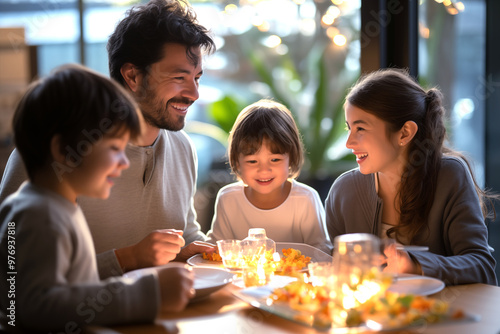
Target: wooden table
[(222, 313)]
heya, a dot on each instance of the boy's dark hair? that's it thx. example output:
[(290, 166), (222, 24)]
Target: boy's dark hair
[(77, 104), (269, 120), (141, 36)]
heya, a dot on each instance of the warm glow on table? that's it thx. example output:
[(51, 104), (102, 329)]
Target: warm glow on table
[(223, 313)]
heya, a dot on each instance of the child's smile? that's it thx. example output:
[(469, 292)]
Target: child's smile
[(265, 173), (265, 181)]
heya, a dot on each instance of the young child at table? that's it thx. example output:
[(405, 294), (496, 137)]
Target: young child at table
[(71, 129), (265, 153), (409, 186)]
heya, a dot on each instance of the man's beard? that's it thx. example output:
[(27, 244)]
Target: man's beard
[(155, 111), (160, 118)]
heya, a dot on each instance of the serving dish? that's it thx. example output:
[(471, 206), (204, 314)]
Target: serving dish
[(258, 297), (315, 254)]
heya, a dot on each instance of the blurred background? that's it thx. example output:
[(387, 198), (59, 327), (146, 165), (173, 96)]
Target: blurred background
[(304, 53)]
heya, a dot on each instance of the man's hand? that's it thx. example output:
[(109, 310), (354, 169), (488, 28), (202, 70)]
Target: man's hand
[(194, 248), (157, 248)]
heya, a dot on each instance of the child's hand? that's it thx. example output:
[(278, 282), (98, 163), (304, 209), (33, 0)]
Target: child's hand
[(157, 248), (176, 286), (194, 248)]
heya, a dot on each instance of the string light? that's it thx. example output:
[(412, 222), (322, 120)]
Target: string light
[(340, 40), (452, 7), (230, 9)]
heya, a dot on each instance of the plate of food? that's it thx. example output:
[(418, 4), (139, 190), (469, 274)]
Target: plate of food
[(205, 260), (309, 305), (314, 253), (286, 250)]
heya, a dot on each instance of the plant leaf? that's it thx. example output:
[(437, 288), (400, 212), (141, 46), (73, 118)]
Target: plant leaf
[(225, 111)]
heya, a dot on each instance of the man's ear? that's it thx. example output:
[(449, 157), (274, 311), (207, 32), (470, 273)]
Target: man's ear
[(132, 76), (407, 132)]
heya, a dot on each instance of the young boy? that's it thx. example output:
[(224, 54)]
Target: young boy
[(71, 130)]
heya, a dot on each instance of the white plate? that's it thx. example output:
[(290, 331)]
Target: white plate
[(417, 285), (206, 280), (209, 280)]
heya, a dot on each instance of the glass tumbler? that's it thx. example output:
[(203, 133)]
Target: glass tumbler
[(358, 277), (230, 252)]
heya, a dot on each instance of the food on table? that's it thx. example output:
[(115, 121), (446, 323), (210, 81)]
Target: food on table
[(291, 261), (315, 305), (301, 296), (399, 310), (258, 270), (311, 301), (215, 256)]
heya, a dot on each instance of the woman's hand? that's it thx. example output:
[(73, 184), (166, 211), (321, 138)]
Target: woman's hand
[(400, 261)]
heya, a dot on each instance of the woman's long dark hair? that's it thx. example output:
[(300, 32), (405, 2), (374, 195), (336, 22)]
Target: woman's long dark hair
[(395, 97)]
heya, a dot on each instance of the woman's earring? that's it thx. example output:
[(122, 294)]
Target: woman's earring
[(401, 144)]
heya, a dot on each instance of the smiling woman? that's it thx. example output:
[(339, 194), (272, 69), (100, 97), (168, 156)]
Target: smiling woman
[(368, 136), (398, 137)]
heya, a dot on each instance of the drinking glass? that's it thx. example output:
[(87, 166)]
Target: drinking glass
[(231, 253), (356, 266), (321, 274)]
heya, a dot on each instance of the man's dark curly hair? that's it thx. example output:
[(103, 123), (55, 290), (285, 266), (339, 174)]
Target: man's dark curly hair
[(140, 37)]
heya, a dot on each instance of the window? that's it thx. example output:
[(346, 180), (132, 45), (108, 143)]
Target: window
[(452, 51), (54, 28)]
